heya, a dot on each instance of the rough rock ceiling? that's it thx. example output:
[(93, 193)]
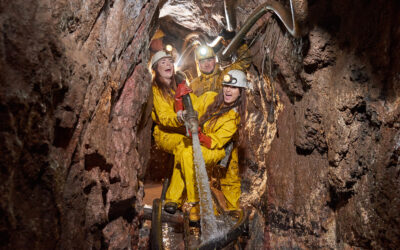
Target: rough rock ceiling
[(194, 15)]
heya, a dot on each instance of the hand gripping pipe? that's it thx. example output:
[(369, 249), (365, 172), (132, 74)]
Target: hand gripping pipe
[(191, 115), (288, 19)]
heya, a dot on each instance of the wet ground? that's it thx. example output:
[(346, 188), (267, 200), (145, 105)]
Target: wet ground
[(173, 234)]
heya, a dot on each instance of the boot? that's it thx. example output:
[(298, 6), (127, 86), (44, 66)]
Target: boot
[(170, 207)]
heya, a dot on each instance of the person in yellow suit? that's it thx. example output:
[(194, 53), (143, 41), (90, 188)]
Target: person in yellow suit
[(169, 130), (210, 72), (222, 117), (210, 79)]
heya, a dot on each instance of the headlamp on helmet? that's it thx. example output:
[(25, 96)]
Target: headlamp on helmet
[(235, 78), (204, 52), (227, 78), (168, 48)]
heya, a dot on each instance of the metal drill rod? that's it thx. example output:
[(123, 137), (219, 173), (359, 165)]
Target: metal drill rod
[(287, 18)]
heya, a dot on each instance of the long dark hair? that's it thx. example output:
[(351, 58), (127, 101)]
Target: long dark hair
[(218, 109), (162, 85)]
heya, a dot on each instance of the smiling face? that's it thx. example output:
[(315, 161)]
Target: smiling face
[(165, 68), (231, 94), (207, 65)]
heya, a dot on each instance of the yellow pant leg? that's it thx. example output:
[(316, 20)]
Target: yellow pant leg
[(230, 184), (184, 157), (167, 141), (176, 186)]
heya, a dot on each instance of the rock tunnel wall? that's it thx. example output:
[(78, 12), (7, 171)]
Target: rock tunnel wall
[(334, 162), (75, 125), (75, 122)]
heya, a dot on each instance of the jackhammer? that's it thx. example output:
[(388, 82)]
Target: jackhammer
[(190, 117), (192, 122)]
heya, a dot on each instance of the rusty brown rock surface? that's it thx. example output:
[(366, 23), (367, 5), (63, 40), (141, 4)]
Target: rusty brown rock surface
[(334, 162), (75, 124), (206, 16)]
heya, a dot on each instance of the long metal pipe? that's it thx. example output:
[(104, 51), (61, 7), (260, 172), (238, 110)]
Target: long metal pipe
[(164, 188), (213, 43), (156, 233), (190, 41), (230, 14), (194, 36), (185, 54), (288, 19)]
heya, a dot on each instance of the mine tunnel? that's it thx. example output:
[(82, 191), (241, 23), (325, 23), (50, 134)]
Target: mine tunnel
[(79, 165)]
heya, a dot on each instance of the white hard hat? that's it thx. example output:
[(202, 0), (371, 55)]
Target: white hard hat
[(235, 78), (159, 55)]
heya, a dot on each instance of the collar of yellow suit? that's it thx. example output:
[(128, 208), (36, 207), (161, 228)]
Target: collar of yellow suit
[(216, 72)]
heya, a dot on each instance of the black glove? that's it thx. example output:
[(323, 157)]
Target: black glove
[(180, 77), (227, 35)]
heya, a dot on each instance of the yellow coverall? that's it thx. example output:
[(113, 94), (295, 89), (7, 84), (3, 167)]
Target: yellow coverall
[(168, 132), (230, 184), (220, 133)]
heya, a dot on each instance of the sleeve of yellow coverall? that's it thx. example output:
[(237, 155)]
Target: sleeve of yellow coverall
[(223, 130), (164, 111)]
